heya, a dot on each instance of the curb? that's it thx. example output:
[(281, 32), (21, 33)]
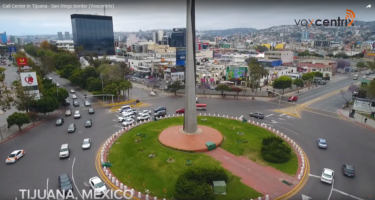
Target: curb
[(366, 126), (107, 176), (28, 128)]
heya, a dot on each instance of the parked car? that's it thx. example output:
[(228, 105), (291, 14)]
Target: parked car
[(322, 82), (348, 170), (91, 111), (160, 108), (146, 112), (65, 184), (258, 115), (88, 123), (72, 128), (327, 176), (128, 121), (129, 111), (182, 110), (59, 122), (293, 98), (142, 117), (322, 143), (68, 112), (160, 113)]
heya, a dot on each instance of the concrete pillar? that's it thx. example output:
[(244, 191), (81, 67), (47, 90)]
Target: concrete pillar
[(110, 176), (125, 187), (155, 198), (257, 123), (209, 114), (204, 114), (106, 172), (113, 180), (121, 186), (299, 176), (267, 197), (200, 114), (139, 195), (147, 198), (104, 168), (117, 183), (259, 198)]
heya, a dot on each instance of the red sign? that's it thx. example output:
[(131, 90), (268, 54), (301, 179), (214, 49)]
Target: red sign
[(22, 61), (29, 79)]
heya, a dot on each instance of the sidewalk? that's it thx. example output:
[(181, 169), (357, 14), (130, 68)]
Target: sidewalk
[(13, 131), (359, 119)]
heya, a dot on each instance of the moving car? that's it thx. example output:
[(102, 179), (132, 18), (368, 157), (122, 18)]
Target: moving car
[(327, 176), (66, 103), (91, 111), (129, 111), (182, 110), (322, 82), (75, 103), (161, 113), (15, 156), (86, 144), (88, 123), (68, 112), (57, 85), (77, 115), (72, 128), (127, 121), (64, 151), (87, 103), (160, 108), (355, 77), (142, 117), (348, 170), (322, 143), (258, 115), (97, 185), (65, 184), (293, 98), (59, 122), (196, 100), (74, 96), (146, 112), (127, 107), (72, 91)]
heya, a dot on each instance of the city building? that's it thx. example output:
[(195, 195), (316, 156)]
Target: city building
[(160, 35), (284, 56), (322, 44), (305, 35), (94, 33), (178, 38), (59, 36), (132, 39), (67, 36), (67, 45), (3, 38)]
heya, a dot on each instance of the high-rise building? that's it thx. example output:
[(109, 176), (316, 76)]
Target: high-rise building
[(67, 36), (59, 36), (94, 33), (155, 37), (178, 38), (165, 40), (3, 38), (305, 35), (160, 36)]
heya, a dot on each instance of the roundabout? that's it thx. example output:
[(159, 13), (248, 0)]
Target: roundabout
[(143, 164)]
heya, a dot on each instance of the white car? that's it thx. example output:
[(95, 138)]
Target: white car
[(15, 156), (327, 176), (87, 103), (97, 185), (142, 117), (74, 96), (77, 114), (145, 112), (128, 121), (131, 111), (86, 143), (72, 91), (57, 85), (196, 100)]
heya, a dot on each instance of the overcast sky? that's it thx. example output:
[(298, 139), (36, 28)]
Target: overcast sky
[(135, 15)]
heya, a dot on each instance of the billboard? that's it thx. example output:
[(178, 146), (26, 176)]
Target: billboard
[(363, 106), (12, 49), (180, 56), (22, 61), (3, 38), (28, 79), (236, 73)]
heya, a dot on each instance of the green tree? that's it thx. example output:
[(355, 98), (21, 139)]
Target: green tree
[(111, 88), (298, 83), (32, 116), (360, 65), (67, 70), (256, 72), (110, 72), (2, 78), (61, 59), (18, 119), (318, 74), (282, 82), (236, 90), (370, 92), (370, 65), (24, 98), (5, 103), (174, 87), (45, 105), (94, 84), (222, 88)]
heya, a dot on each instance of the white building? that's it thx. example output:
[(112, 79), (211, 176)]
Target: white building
[(132, 39), (160, 35), (67, 45), (284, 56), (234, 58)]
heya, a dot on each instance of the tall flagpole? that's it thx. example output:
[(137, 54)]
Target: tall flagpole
[(190, 118)]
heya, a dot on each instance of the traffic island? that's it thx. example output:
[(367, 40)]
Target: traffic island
[(150, 176)]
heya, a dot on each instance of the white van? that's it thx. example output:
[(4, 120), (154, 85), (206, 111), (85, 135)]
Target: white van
[(355, 77), (127, 107), (64, 151)]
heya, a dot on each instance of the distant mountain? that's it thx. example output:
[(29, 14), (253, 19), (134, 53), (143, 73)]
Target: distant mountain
[(228, 32)]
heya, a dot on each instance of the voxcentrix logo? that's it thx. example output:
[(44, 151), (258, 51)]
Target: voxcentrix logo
[(348, 21)]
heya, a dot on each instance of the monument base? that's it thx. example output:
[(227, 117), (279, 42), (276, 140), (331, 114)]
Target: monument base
[(176, 138)]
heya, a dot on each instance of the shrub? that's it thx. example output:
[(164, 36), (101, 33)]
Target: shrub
[(195, 183), (275, 150)]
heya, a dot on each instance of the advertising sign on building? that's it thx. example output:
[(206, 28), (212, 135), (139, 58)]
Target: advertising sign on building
[(238, 73), (28, 79), (363, 106), (22, 61), (12, 49), (180, 56)]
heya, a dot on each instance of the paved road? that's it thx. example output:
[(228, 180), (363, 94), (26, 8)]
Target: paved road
[(332, 103)]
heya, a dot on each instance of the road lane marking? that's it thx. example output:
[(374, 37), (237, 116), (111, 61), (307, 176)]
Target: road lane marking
[(47, 190), (315, 176), (262, 124), (287, 113), (287, 129), (333, 181), (73, 179), (269, 115), (341, 192)]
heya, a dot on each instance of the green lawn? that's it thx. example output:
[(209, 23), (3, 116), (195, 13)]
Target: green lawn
[(133, 167)]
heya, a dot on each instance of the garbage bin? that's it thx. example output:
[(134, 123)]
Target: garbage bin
[(210, 146)]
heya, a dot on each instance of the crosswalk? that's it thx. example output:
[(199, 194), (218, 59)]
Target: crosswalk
[(272, 119)]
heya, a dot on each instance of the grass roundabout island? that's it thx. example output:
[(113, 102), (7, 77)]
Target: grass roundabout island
[(143, 163)]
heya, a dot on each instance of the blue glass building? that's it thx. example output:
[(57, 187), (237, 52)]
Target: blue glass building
[(94, 33), (3, 38)]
